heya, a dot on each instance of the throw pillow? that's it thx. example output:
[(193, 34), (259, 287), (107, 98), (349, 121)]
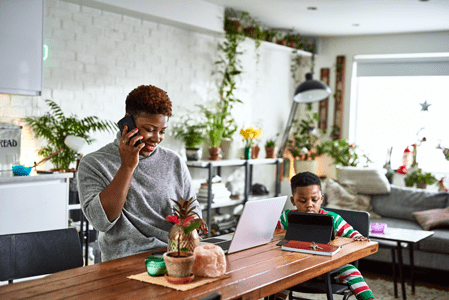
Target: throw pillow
[(432, 218), (343, 198), (364, 180)]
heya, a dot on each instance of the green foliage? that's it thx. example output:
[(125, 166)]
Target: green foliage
[(191, 130), (271, 142), (214, 126), (303, 139), (54, 126), (343, 153), (419, 178)]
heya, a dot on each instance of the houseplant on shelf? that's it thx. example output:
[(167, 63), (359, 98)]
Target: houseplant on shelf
[(182, 240), (302, 143), (421, 179), (343, 153), (270, 147), (192, 131), (54, 126), (214, 129)]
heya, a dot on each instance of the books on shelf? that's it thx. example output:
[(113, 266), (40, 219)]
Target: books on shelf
[(219, 192), (311, 248)]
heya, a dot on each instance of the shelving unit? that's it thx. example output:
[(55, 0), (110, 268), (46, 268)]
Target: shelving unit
[(213, 166)]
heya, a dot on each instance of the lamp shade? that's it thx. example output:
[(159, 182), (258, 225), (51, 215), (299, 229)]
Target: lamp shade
[(311, 91), (74, 142)]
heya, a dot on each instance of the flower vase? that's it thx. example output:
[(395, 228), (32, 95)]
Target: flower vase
[(255, 152), (247, 153), (187, 241)]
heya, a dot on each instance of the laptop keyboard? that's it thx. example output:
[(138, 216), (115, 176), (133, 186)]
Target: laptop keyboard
[(224, 245)]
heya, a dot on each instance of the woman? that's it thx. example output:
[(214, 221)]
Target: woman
[(125, 190)]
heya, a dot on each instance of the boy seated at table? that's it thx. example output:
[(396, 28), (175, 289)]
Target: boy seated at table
[(307, 197)]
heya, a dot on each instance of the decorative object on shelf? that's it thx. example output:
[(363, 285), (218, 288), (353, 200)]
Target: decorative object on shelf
[(192, 131), (209, 261), (255, 152), (259, 189), (343, 153), (249, 135), (339, 95), (54, 126), (415, 152), (214, 129), (324, 105), (407, 157), (444, 150), (441, 186), (270, 147), (402, 170), (227, 148), (420, 179), (182, 238)]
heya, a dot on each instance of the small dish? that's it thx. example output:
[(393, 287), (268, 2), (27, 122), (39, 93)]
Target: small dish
[(155, 265), (21, 170), (179, 280)]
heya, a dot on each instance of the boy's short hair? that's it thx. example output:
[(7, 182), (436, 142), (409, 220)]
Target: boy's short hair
[(304, 179)]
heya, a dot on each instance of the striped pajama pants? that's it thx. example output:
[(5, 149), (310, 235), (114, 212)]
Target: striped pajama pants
[(350, 275)]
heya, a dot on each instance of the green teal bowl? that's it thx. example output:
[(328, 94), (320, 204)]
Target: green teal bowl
[(155, 265), (21, 170)]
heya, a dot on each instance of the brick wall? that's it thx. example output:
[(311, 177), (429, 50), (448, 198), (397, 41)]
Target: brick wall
[(97, 57)]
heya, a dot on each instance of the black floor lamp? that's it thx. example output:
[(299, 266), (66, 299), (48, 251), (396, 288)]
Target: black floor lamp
[(307, 92)]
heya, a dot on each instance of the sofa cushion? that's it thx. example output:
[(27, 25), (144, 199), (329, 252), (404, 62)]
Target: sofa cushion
[(402, 201), (433, 218), (364, 180), (438, 242), (339, 197)]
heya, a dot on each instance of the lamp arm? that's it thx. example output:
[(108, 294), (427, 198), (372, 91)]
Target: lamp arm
[(48, 157), (288, 126)]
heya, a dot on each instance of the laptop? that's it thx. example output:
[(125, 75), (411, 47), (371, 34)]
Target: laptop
[(308, 227), (255, 227)]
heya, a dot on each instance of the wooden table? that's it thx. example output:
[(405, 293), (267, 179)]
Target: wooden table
[(251, 274), (398, 236)]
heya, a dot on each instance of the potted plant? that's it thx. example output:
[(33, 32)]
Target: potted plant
[(192, 131), (421, 179), (54, 126), (302, 143), (343, 153), (214, 129), (270, 147), (182, 240)]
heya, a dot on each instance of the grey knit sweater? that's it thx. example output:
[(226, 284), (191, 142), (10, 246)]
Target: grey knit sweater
[(141, 225)]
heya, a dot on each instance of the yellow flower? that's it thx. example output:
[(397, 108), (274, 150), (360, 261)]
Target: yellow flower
[(250, 134)]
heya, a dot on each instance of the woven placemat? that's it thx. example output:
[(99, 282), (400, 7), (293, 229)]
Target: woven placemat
[(160, 280)]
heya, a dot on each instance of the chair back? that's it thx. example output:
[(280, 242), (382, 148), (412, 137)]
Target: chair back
[(37, 253), (359, 220)]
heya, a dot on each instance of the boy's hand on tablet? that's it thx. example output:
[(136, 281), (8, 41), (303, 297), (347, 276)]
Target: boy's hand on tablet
[(361, 238)]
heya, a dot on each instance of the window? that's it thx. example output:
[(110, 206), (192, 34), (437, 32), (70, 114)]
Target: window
[(389, 93)]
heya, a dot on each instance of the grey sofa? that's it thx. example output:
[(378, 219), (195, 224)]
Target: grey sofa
[(396, 210)]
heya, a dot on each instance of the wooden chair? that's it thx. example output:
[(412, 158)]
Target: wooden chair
[(38, 253), (360, 221)]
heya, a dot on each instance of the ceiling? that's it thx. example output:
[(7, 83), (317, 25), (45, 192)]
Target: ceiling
[(339, 17)]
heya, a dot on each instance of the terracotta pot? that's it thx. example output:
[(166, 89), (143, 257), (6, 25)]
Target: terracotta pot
[(270, 152), (421, 186), (179, 266), (189, 241), (255, 152), (214, 153)]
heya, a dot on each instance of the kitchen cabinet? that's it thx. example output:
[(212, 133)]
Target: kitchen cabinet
[(215, 166), (21, 49), (33, 203)]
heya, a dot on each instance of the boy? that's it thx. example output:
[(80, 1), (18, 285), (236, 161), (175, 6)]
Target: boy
[(307, 197)]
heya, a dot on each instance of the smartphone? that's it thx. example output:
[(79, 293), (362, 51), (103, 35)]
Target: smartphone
[(128, 121)]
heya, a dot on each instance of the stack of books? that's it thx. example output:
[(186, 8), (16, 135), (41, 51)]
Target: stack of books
[(219, 193)]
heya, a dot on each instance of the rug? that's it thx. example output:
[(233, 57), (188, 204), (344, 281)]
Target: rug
[(383, 290)]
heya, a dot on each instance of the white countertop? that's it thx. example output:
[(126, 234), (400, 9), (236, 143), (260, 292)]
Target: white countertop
[(8, 177)]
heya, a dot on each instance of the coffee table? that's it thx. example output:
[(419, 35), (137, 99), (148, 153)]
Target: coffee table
[(409, 237)]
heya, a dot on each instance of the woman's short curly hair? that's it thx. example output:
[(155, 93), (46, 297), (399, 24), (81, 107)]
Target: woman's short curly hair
[(148, 99)]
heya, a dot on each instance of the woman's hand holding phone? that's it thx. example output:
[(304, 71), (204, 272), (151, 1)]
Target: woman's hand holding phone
[(128, 153)]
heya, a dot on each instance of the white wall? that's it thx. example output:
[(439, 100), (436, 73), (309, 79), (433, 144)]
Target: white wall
[(329, 48), (97, 57)]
